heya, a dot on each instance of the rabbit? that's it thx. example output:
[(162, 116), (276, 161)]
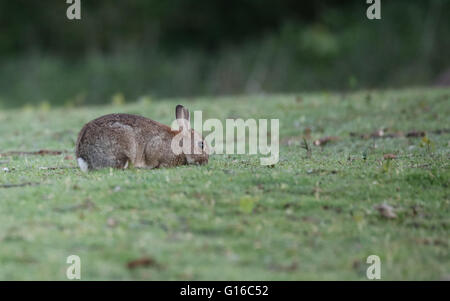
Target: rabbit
[(120, 140)]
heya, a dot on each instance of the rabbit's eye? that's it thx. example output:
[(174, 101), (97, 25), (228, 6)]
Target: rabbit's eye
[(200, 144)]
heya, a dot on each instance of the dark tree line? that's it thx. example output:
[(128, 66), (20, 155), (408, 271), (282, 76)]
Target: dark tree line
[(42, 25)]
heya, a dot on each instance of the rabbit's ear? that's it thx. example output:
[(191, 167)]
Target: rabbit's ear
[(183, 118)]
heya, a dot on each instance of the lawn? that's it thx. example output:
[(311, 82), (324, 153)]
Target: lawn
[(316, 215)]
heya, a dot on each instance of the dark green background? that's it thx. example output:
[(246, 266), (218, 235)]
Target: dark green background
[(188, 48)]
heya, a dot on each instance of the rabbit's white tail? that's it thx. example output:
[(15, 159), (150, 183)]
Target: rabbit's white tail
[(83, 165)]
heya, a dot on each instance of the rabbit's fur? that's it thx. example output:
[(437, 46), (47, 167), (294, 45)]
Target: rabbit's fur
[(120, 140)]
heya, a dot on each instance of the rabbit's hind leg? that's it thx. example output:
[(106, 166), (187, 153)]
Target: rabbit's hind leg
[(101, 158)]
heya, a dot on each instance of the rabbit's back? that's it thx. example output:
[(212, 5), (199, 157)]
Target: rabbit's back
[(116, 140)]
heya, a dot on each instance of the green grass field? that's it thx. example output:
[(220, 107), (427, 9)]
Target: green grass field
[(313, 216)]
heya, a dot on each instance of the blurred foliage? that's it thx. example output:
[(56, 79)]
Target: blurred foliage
[(107, 25), (141, 48)]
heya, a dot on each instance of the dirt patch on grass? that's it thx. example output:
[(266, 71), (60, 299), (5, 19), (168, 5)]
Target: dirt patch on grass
[(19, 185), (42, 152)]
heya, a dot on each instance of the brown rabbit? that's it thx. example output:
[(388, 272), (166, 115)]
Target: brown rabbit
[(118, 140)]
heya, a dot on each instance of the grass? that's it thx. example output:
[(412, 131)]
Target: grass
[(310, 217)]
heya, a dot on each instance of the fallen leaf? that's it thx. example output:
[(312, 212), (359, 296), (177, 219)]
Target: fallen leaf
[(414, 134), (246, 204), (386, 211), (382, 133), (389, 156), (48, 152), (441, 131), (323, 141), (287, 268), (142, 262), (377, 134), (429, 241), (356, 264)]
